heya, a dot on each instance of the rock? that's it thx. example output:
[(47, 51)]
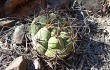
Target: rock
[(37, 65), (20, 63), (18, 34), (91, 5)]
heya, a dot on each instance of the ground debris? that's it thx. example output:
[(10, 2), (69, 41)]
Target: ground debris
[(20, 63)]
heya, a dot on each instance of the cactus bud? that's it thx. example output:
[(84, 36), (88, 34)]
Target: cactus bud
[(43, 20), (52, 16)]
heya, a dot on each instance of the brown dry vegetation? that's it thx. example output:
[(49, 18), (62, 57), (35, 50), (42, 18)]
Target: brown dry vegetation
[(20, 8)]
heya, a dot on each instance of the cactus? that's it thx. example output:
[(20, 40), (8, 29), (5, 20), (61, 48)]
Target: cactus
[(52, 52), (54, 32), (68, 47), (55, 43), (52, 39), (42, 36), (53, 16), (34, 28)]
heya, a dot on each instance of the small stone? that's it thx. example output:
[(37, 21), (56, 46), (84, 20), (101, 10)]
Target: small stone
[(91, 5), (36, 64), (20, 63), (18, 34)]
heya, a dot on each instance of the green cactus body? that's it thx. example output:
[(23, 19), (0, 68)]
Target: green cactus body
[(52, 16), (52, 52), (55, 43), (40, 47), (61, 20), (34, 28), (42, 36), (65, 35), (43, 20), (54, 40), (54, 32), (68, 47)]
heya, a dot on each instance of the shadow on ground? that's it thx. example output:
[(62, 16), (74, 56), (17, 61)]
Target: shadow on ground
[(91, 54)]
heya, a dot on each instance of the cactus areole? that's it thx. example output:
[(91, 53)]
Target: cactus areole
[(52, 36)]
